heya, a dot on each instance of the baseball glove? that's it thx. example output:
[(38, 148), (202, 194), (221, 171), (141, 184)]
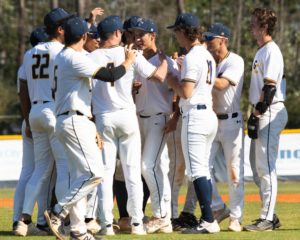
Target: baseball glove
[(253, 124), (99, 141)]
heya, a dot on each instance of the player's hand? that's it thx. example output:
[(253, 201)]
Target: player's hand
[(130, 54), (171, 80), (174, 55), (253, 125), (171, 125), (98, 11), (179, 61), (28, 132), (136, 86), (99, 141)]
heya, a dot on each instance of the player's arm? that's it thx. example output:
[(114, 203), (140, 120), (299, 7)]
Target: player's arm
[(221, 83), (183, 89), (112, 74), (25, 104), (93, 15), (266, 97), (161, 71), (171, 124)]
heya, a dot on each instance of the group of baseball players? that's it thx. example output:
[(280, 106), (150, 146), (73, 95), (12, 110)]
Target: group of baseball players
[(106, 114)]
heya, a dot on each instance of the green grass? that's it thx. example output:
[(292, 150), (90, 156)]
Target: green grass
[(289, 214)]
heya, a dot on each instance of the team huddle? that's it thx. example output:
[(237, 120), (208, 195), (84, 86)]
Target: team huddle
[(107, 114)]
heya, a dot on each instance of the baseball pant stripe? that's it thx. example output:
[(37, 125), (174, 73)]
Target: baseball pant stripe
[(154, 172), (174, 168), (81, 186), (268, 159), (52, 175)]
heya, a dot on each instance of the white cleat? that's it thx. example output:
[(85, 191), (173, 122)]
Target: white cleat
[(23, 229), (107, 230), (56, 225), (93, 227), (203, 227), (155, 224), (167, 229), (138, 229), (234, 225)]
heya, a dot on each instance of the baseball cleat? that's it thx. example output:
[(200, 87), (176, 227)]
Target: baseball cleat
[(203, 227), (185, 220), (93, 226), (107, 230), (167, 229), (83, 236), (124, 224), (276, 222), (260, 225), (155, 224), (138, 229), (30, 229), (221, 214), (56, 225), (234, 225)]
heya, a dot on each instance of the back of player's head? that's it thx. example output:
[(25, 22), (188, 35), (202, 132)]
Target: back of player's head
[(185, 20), (146, 25), (189, 24), (216, 30), (131, 22), (266, 18), (55, 18), (38, 35), (109, 25), (74, 29)]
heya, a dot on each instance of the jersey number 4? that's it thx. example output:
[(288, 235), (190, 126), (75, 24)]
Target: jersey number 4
[(40, 66)]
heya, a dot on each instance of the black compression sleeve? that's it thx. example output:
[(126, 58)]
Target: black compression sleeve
[(110, 74)]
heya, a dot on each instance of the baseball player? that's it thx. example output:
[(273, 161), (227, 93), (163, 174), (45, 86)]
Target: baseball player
[(75, 129), (154, 106), (269, 116), (186, 219), (116, 120), (230, 135), (199, 122), (38, 109), (38, 35)]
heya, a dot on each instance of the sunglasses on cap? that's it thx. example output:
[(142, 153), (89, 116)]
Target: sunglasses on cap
[(94, 35)]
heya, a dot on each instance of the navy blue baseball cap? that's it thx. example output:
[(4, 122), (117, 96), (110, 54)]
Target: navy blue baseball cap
[(38, 35), (93, 32), (75, 27), (216, 30), (146, 25), (185, 20), (131, 22), (56, 16), (110, 24)]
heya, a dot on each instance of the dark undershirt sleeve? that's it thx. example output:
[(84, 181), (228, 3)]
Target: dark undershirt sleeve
[(110, 74)]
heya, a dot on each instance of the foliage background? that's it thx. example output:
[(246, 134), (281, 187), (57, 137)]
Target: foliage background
[(20, 17)]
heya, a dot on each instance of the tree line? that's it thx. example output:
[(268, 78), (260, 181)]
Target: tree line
[(20, 17)]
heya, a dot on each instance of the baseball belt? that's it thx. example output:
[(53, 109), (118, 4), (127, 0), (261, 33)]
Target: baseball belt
[(226, 116)]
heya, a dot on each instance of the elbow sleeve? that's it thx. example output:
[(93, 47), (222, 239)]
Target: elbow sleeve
[(110, 74)]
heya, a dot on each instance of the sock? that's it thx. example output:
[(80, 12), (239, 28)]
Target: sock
[(120, 192), (146, 194), (210, 190), (203, 189)]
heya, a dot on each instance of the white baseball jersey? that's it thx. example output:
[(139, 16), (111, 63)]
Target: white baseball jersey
[(204, 79), (155, 97), (70, 66), (267, 64), (108, 97), (21, 75), (228, 99), (38, 64)]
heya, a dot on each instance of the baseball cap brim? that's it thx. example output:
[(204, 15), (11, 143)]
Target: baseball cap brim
[(209, 34)]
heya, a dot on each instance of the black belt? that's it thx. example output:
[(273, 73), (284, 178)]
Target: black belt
[(36, 102), (67, 113), (143, 116), (226, 116), (200, 107)]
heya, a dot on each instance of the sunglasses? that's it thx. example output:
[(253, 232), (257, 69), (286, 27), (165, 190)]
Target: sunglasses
[(94, 35)]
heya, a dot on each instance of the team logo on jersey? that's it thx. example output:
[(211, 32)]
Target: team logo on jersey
[(255, 66)]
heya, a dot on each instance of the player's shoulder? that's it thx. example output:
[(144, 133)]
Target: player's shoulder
[(233, 57)]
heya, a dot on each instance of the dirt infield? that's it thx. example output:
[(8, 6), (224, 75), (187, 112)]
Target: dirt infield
[(284, 198)]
